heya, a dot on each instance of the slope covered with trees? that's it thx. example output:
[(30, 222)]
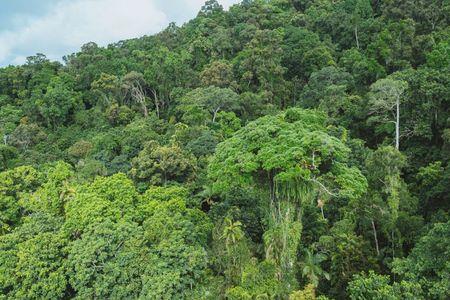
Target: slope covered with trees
[(284, 149)]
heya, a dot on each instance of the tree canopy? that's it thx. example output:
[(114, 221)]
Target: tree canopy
[(278, 149)]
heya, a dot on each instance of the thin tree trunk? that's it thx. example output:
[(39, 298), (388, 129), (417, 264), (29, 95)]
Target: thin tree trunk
[(215, 114), (356, 37), (375, 237), (156, 100), (144, 107)]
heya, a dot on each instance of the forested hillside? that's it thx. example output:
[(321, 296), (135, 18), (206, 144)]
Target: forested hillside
[(284, 149)]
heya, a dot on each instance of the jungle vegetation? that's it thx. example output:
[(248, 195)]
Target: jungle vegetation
[(283, 149)]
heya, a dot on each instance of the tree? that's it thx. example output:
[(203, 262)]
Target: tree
[(32, 259), (330, 90), (108, 88), (259, 65), (108, 261), (219, 73), (210, 100), (374, 286), (308, 293), (384, 168), (393, 45), (231, 252), (58, 102), (53, 192), (210, 7), (311, 267), (12, 183), (6, 153), (9, 119), (178, 237), (259, 280), (158, 164), (289, 158), (167, 70), (40, 269), (438, 58), (134, 86), (111, 198), (26, 135), (427, 264), (297, 42), (348, 254), (365, 70), (385, 99)]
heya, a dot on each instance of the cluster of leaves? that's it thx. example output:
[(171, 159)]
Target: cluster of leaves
[(63, 239), (283, 149)]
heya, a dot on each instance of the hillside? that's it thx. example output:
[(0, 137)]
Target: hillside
[(283, 149)]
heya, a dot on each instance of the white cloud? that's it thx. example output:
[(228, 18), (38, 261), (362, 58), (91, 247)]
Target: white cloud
[(71, 24)]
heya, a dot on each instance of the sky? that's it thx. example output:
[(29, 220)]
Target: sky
[(60, 27)]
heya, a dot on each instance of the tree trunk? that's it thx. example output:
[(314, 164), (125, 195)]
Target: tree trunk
[(356, 37), (156, 100), (375, 237), (215, 114), (144, 107)]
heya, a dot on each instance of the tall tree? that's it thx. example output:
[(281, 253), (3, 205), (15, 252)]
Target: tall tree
[(385, 98)]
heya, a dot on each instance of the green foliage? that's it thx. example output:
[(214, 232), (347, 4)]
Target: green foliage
[(158, 164), (58, 102), (32, 259), (292, 148), (259, 280), (427, 265), (205, 103), (311, 267), (111, 198), (374, 286), (245, 154), (107, 261), (40, 269), (52, 195), (308, 293)]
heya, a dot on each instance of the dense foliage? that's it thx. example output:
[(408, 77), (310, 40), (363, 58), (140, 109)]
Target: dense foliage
[(284, 149)]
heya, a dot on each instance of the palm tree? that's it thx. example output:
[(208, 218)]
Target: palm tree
[(232, 232), (311, 267), (207, 195)]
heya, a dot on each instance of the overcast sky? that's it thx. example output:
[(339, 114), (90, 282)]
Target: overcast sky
[(60, 27)]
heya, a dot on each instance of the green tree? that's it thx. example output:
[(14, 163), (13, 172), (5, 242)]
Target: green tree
[(58, 103), (284, 157), (32, 259), (385, 99), (259, 65), (158, 164), (207, 102), (218, 73), (427, 264), (108, 261), (385, 195), (133, 85), (311, 269), (108, 88), (374, 286)]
